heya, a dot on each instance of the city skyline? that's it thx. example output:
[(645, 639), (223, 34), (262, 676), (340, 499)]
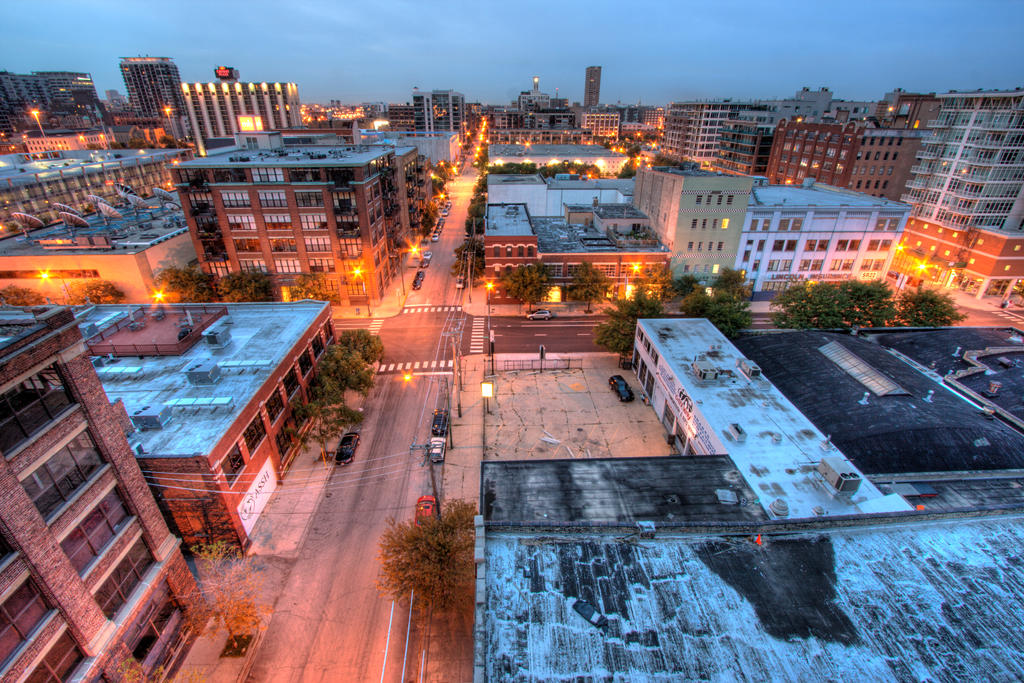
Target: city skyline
[(491, 55)]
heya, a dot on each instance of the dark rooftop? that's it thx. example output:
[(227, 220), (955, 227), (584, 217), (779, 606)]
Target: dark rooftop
[(894, 433), (556, 236), (675, 489)]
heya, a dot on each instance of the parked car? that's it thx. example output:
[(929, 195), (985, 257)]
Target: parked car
[(460, 282), (590, 613), (436, 449), (619, 386), (439, 425), (347, 448), (425, 261), (541, 314), (417, 281), (445, 212), (425, 507), (435, 237)]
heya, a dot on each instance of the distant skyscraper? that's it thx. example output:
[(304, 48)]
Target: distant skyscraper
[(153, 84), (592, 87), (439, 110)]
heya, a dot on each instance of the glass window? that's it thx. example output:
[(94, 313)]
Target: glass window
[(291, 382), (118, 587), (309, 198), (147, 631), (267, 175), (318, 346), (247, 245), (89, 538), (233, 464), (58, 663), (20, 613), (252, 265), (241, 221), (287, 265), (274, 405), (56, 481), (277, 221), (321, 265), (283, 439), (318, 243), (254, 434), (313, 221), (31, 405), (273, 198), (234, 199), (305, 363), (287, 244)]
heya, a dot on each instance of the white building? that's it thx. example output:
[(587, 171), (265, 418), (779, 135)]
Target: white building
[(603, 124), (548, 196), (816, 232), (610, 163), (219, 110), (439, 110), (712, 400)]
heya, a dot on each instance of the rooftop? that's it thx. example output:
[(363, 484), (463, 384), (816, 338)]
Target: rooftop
[(691, 170), (608, 210), (927, 601), (780, 449), (514, 179), (625, 187), (558, 152), (312, 156), (923, 426), (258, 338), (556, 236), (29, 169), (16, 323), (508, 220), (818, 194)]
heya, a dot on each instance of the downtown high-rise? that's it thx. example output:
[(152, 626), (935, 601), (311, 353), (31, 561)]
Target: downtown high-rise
[(592, 87), (154, 86)]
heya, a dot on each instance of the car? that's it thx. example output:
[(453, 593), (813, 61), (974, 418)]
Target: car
[(541, 314), (590, 613), (435, 237), (619, 386), (417, 281), (460, 282), (445, 212), (436, 449), (425, 507), (439, 425), (347, 448)]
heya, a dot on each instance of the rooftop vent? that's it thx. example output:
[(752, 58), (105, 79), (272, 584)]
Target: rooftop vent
[(203, 373), (749, 368), (737, 433), (779, 508), (150, 417), (704, 370), (218, 334), (840, 474)]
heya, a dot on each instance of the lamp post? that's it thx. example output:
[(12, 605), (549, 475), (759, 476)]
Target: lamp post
[(170, 121), (35, 115), (636, 269), (45, 277), (358, 272)]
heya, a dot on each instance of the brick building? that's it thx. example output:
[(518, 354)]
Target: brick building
[(292, 205), (210, 389), (744, 147), (90, 575)]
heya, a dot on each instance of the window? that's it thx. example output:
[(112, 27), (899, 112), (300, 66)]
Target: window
[(30, 406), (318, 346), (699, 198), (252, 265), (728, 201), (313, 221), (234, 199), (241, 221), (321, 265), (318, 244), (719, 199), (57, 480), (283, 245), (283, 440), (277, 221), (254, 434), (252, 244), (779, 245), (274, 198), (287, 265), (233, 465), (267, 175), (689, 246), (58, 663), (309, 198), (305, 364), (841, 265), (796, 223), (147, 630), (274, 405), (99, 527), (497, 250), (725, 223), (20, 613), (115, 591), (760, 245), (693, 224), (291, 382)]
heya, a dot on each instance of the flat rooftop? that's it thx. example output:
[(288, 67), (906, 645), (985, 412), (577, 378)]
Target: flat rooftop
[(508, 220), (555, 151), (609, 210), (622, 490), (261, 335), (138, 229), (556, 236), (779, 454), (818, 195), (312, 156), (936, 601), (625, 187), (514, 179), (29, 169)]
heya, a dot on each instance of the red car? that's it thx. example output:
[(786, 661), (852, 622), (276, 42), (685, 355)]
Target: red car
[(425, 507)]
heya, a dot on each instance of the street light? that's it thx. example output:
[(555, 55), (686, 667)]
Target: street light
[(35, 115), (45, 277), (358, 272)]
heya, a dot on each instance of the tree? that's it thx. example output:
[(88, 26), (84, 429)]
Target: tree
[(429, 218), (723, 310), (348, 363), (628, 170), (327, 416), (227, 592), (313, 286), (13, 295), (618, 333), (589, 284), (479, 264), (96, 291), (250, 286), (662, 160), (186, 285), (656, 282), (834, 305), (434, 560), (362, 343), (732, 282), (684, 284), (530, 284), (927, 308)]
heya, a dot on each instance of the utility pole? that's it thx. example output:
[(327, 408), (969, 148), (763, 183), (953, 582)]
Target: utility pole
[(471, 257), (457, 375)]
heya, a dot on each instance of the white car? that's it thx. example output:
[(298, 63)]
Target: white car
[(436, 449), (540, 314), (435, 237), (460, 282)]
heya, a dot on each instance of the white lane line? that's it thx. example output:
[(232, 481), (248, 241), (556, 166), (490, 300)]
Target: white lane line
[(416, 366), (433, 363), (387, 643)]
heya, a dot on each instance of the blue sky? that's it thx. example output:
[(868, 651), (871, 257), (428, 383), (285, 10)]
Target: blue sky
[(653, 51)]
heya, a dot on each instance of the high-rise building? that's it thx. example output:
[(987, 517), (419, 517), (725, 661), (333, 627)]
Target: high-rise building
[(91, 575), (401, 117), (62, 98), (692, 128), (967, 192), (153, 85), (592, 87), (603, 123), (744, 147), (439, 110), (221, 109), (70, 87)]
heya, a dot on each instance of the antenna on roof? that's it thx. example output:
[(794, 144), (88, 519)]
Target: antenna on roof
[(928, 398), (956, 354), (864, 399)]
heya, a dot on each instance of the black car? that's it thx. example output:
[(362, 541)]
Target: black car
[(417, 281), (347, 448), (439, 426), (619, 386)]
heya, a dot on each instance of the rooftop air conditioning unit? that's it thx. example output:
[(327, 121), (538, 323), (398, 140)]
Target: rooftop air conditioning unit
[(150, 417), (704, 370), (749, 368), (199, 374), (840, 474), (737, 433)]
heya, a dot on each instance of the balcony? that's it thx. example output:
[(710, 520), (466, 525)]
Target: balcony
[(349, 232)]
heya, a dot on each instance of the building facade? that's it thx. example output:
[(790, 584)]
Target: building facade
[(439, 111), (540, 136), (346, 213), (744, 147), (692, 128), (608, 163), (592, 87), (816, 232), (217, 110), (696, 214), (90, 576), (34, 143), (603, 124), (153, 84), (62, 98)]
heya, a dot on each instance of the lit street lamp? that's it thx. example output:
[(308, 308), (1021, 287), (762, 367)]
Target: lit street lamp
[(358, 272), (45, 277), (35, 115)]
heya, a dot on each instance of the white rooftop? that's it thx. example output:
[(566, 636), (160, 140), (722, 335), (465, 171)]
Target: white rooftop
[(818, 195), (557, 151), (508, 220), (779, 455)]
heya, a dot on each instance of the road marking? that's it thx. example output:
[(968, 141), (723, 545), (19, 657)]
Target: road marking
[(376, 325), (430, 309), (387, 643), (420, 366), (416, 366)]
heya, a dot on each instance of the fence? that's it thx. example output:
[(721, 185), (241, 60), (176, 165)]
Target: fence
[(547, 364)]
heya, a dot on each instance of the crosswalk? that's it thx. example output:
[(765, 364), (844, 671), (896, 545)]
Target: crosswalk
[(478, 337), (1015, 317), (375, 325), (416, 367), (430, 309)]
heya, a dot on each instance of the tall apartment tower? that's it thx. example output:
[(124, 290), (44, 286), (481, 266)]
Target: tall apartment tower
[(90, 575), (592, 87), (966, 228), (153, 84), (439, 110)]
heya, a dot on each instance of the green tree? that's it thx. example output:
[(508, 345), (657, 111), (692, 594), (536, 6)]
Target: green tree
[(96, 291), (732, 282), (619, 331), (628, 170), (476, 248), (313, 286), (251, 286), (430, 213), (589, 284), (663, 160), (927, 308), (186, 285), (362, 343), (834, 305), (726, 312), (656, 282), (530, 284), (348, 363), (228, 590), (13, 295), (684, 284), (434, 560), (323, 417)]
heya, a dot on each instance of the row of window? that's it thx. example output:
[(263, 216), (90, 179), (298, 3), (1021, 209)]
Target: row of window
[(716, 198), (28, 407), (700, 246), (271, 199), (714, 222), (823, 245), (816, 265), (796, 224), (520, 250), (274, 221)]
